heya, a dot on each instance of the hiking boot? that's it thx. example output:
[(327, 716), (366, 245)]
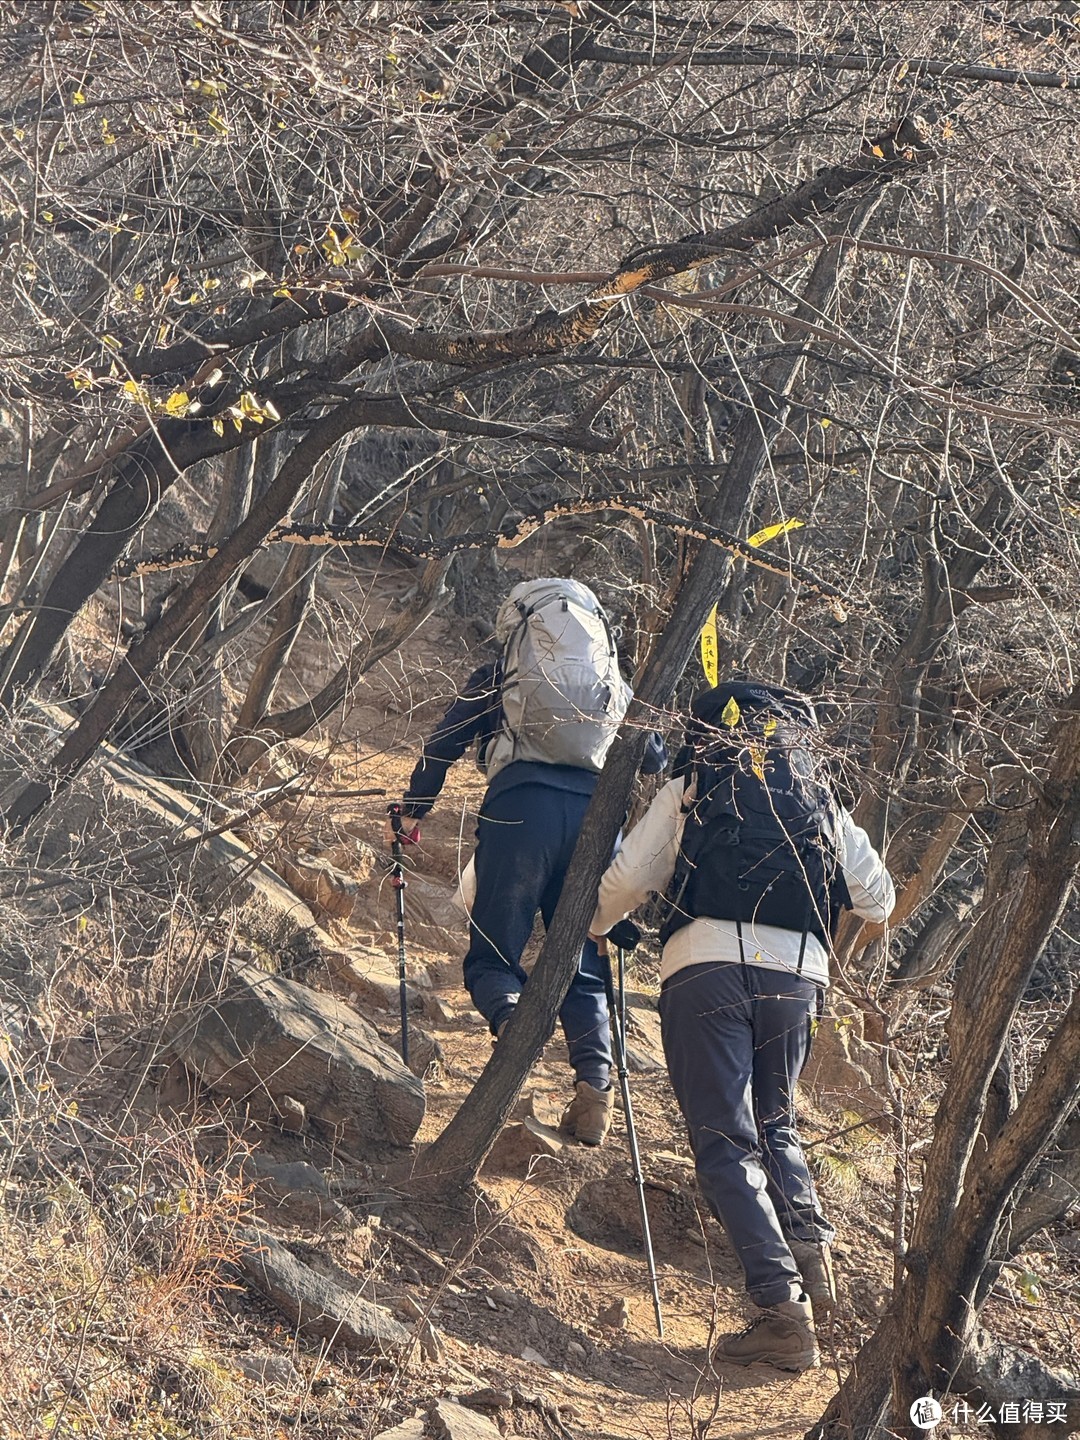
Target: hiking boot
[(587, 1119), (782, 1335), (816, 1268)]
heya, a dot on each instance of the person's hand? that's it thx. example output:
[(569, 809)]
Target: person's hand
[(624, 935), (600, 941), (401, 835)]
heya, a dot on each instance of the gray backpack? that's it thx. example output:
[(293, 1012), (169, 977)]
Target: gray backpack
[(563, 698)]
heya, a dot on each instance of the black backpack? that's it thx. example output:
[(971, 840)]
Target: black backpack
[(759, 843)]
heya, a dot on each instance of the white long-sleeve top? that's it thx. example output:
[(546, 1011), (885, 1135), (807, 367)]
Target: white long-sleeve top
[(646, 863)]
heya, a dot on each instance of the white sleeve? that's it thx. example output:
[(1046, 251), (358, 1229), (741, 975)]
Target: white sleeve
[(646, 861), (870, 885)]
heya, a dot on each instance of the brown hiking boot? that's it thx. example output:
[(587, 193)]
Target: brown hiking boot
[(782, 1335), (816, 1268), (587, 1118)]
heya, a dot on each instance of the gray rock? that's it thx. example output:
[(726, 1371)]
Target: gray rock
[(295, 1194), (370, 978), (266, 1367), (326, 889), (431, 1342), (425, 1053), (408, 1309), (644, 1048), (315, 1303), (487, 1399), (518, 1147), (450, 1421), (407, 1430), (616, 1315), (268, 913), (273, 1042), (436, 1008)]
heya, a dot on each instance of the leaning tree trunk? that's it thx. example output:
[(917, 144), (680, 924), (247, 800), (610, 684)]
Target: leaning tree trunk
[(204, 728), (244, 750), (142, 475)]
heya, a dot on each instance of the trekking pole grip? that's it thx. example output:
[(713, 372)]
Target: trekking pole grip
[(396, 850)]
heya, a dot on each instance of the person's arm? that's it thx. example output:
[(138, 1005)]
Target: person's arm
[(869, 884), (465, 721), (645, 862)]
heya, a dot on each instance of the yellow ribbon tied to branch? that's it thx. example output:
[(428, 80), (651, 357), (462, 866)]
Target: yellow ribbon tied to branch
[(710, 649), (710, 643), (772, 532)]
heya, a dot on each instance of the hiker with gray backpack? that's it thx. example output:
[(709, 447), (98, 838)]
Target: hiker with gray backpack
[(543, 716), (757, 858)]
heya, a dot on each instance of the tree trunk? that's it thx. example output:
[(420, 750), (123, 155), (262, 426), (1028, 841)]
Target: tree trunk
[(203, 724), (1054, 1189), (143, 475), (855, 1411), (244, 750), (959, 1234), (143, 659), (295, 587)]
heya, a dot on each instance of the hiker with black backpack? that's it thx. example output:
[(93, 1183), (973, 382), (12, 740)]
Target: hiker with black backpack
[(543, 716), (757, 858)]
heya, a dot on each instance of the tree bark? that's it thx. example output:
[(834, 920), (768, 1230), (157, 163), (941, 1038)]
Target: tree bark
[(901, 149), (855, 1411), (1054, 1189), (203, 722), (957, 1240), (143, 474)]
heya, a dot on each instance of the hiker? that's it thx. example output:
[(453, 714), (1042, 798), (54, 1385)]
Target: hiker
[(757, 858), (543, 715)]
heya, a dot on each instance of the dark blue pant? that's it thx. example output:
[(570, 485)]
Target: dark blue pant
[(736, 1038), (526, 837)]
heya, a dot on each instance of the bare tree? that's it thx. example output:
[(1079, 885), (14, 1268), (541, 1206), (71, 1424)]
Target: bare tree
[(545, 262)]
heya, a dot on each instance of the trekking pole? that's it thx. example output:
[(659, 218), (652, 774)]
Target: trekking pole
[(620, 953), (625, 936), (398, 881)]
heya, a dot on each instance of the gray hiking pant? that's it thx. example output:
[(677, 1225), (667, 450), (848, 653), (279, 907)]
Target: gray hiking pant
[(736, 1038)]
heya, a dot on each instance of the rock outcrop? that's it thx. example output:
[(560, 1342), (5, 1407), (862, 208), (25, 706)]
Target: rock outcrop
[(295, 1054)]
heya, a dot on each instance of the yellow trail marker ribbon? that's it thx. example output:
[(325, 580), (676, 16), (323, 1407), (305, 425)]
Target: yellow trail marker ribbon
[(710, 649), (771, 532)]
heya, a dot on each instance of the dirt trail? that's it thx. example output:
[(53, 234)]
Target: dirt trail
[(561, 1244)]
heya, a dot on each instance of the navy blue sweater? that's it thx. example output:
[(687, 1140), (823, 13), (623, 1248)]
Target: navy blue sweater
[(475, 718)]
